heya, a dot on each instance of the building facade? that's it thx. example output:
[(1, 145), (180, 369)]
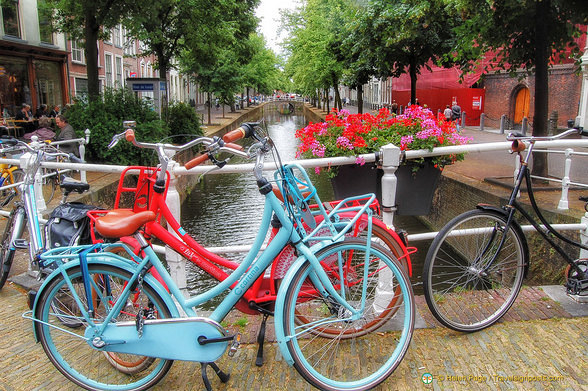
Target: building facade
[(33, 59)]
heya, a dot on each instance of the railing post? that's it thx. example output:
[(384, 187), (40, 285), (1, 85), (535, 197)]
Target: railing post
[(390, 163), (482, 118), (83, 177), (177, 267), (524, 125), (584, 236), (565, 182)]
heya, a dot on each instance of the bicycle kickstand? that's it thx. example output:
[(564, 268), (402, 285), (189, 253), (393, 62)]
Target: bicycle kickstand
[(221, 375), (260, 341)]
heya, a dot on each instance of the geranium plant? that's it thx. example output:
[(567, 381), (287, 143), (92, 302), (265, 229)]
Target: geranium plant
[(345, 134)]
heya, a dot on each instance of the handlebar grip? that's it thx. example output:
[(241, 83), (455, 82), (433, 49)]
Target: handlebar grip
[(234, 135), (234, 146), (196, 161), (245, 130), (74, 158), (584, 132), (130, 135)]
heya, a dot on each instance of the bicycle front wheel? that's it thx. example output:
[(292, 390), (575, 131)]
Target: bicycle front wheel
[(474, 270), (347, 359), (67, 347), (13, 230)]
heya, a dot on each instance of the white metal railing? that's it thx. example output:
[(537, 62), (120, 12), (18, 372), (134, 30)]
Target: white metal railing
[(391, 159)]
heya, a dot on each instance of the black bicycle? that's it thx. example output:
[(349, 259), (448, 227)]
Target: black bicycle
[(475, 266)]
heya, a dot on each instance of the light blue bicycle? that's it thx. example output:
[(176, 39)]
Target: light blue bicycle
[(126, 316)]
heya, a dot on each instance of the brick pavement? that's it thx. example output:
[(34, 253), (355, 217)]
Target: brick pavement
[(537, 354)]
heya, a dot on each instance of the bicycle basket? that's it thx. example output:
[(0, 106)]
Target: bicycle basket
[(135, 188)]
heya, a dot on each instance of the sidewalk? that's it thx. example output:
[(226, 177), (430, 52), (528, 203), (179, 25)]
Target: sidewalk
[(538, 354)]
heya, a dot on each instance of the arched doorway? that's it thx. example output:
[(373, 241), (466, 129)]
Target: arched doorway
[(521, 105)]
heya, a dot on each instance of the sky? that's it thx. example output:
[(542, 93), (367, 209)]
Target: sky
[(269, 13)]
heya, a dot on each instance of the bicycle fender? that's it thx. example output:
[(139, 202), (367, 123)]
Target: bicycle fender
[(111, 261), (516, 226), (279, 309)]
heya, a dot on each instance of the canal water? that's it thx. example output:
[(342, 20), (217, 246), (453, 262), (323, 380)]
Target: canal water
[(225, 210)]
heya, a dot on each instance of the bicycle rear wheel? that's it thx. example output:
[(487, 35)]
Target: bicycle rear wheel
[(348, 359), (68, 349), (50, 183), (7, 196), (474, 270)]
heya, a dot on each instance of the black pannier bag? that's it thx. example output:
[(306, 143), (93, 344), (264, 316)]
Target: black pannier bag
[(69, 225)]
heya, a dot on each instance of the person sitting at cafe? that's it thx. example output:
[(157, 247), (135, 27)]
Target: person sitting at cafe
[(55, 112), (66, 133), (44, 132), (24, 114), (42, 111)]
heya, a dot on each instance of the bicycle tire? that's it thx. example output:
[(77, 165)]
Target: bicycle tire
[(69, 351), (367, 359), (380, 236), (7, 251), (459, 291), (8, 195), (50, 183)]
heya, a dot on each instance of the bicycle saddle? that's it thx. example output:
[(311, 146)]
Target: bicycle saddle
[(69, 184), (122, 222)]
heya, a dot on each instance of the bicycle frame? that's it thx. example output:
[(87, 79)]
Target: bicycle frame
[(239, 281), (545, 231), (145, 198)]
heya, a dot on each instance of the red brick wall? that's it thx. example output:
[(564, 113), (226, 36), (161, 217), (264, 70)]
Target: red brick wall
[(564, 95)]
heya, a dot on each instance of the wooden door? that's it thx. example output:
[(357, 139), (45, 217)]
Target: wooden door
[(521, 105)]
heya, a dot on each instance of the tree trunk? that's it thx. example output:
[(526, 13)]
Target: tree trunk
[(413, 83), (540, 166), (360, 98), (209, 104), (248, 98), (91, 29), (162, 64), (327, 100)]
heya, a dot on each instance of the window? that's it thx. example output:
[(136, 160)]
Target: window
[(11, 18), (81, 88), (116, 36), (108, 70), (48, 81), (129, 46), (45, 21), (119, 71), (77, 52)]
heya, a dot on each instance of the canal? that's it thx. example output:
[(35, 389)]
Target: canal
[(225, 210)]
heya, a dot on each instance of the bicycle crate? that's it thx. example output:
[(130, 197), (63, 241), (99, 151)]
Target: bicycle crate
[(314, 222)]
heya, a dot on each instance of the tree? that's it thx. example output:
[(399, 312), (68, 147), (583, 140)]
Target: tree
[(404, 36), (261, 73), (89, 20), (314, 45), (525, 35)]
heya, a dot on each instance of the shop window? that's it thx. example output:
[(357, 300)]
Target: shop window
[(14, 84), (11, 18), (108, 70), (45, 21), (48, 82), (77, 52)]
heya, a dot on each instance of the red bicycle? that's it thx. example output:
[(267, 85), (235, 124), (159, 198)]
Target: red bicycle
[(145, 188)]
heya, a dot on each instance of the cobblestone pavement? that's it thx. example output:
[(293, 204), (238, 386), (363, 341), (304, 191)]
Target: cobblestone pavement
[(539, 346)]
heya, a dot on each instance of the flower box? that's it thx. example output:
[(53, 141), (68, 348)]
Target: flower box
[(414, 191)]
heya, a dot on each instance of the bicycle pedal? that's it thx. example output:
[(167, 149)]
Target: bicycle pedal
[(20, 244), (235, 345)]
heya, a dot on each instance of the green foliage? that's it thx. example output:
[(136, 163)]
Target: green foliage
[(104, 118), (182, 120)]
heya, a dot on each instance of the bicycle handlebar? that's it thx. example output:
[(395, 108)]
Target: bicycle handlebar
[(518, 136), (213, 145)]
